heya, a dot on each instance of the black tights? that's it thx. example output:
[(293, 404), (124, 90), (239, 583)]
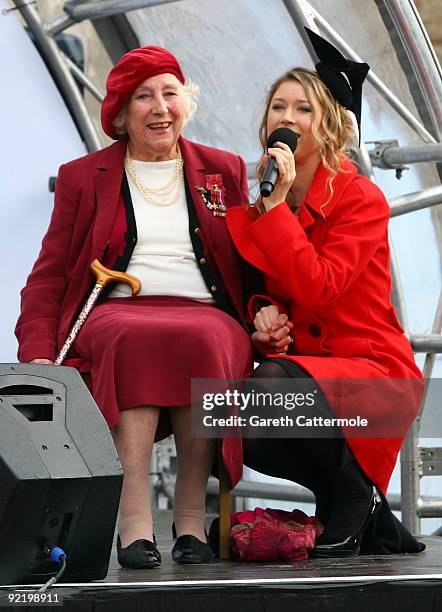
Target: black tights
[(326, 466)]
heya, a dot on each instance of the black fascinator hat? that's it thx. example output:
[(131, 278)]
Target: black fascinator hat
[(331, 69)]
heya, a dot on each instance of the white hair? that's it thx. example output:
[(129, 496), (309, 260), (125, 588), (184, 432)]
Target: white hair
[(191, 93)]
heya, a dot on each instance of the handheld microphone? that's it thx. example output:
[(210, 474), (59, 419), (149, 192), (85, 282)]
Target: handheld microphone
[(271, 171)]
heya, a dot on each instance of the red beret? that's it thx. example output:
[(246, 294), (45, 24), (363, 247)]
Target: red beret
[(132, 69)]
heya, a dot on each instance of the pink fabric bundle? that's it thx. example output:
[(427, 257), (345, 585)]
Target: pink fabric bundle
[(272, 535)]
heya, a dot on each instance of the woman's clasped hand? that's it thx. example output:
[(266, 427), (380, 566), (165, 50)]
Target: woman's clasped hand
[(272, 331)]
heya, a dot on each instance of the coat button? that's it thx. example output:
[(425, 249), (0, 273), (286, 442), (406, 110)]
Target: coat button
[(197, 230), (202, 261), (213, 288), (315, 330)]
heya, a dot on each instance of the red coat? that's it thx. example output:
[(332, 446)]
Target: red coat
[(88, 205), (329, 269)]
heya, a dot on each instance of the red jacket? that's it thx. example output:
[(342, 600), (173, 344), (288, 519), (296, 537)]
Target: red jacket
[(86, 221), (87, 199), (329, 270)]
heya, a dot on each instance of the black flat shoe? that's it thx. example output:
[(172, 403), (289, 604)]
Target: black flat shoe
[(141, 554), (187, 549), (349, 547)]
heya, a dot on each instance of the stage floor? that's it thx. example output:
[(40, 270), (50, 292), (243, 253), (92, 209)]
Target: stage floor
[(426, 565), (391, 583)]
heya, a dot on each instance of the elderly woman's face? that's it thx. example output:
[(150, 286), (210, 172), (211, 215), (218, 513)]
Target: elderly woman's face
[(154, 118), (290, 108)]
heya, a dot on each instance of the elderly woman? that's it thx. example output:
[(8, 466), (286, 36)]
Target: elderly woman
[(152, 204), (321, 240)]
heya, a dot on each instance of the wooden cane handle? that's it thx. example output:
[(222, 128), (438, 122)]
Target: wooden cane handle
[(105, 276)]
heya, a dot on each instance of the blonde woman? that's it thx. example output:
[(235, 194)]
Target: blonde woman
[(321, 240)]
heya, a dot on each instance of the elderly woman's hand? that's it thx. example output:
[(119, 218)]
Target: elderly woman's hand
[(42, 361), (285, 161), (265, 318), (268, 319)]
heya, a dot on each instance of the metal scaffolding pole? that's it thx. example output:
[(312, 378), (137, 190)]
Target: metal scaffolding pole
[(82, 78), (431, 508), (430, 344), (432, 196), (300, 18), (427, 69), (411, 460), (97, 10), (391, 156), (410, 478), (54, 58), (296, 493)]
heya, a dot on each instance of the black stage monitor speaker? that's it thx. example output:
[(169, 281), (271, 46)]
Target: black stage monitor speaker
[(60, 478)]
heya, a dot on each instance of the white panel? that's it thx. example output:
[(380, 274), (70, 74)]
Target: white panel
[(38, 134)]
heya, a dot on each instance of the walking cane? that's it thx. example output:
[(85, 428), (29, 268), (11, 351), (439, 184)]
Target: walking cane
[(104, 276)]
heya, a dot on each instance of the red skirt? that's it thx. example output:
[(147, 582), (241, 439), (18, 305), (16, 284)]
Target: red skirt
[(144, 351)]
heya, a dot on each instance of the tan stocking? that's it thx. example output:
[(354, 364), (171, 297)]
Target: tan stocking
[(133, 438), (195, 457)]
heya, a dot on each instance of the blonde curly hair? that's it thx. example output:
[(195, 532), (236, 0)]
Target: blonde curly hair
[(333, 134)]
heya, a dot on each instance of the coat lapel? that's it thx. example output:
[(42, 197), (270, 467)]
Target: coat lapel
[(109, 170), (214, 230), (195, 171), (318, 200)]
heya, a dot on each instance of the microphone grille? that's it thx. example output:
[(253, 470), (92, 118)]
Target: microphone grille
[(284, 135)]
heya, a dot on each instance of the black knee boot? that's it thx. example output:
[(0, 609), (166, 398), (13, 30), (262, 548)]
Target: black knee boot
[(356, 503)]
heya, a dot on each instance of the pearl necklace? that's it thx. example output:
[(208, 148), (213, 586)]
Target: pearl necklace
[(174, 185)]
